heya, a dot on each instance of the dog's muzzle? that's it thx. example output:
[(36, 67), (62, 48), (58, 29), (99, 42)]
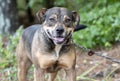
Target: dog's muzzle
[(59, 37)]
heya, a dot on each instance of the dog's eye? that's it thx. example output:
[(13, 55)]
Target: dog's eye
[(68, 20), (52, 19)]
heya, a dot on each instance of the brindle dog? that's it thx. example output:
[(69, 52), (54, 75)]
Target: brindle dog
[(48, 46)]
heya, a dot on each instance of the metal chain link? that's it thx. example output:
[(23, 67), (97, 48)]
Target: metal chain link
[(90, 53), (82, 47)]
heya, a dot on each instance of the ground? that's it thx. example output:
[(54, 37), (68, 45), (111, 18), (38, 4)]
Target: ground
[(88, 68), (106, 70)]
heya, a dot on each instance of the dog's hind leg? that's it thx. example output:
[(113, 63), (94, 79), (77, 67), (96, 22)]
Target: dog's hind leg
[(23, 69), (23, 62)]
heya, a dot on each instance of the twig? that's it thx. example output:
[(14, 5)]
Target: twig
[(8, 71)]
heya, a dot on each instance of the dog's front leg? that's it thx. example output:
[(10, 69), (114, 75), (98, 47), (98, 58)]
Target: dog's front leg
[(39, 74), (71, 74), (52, 76)]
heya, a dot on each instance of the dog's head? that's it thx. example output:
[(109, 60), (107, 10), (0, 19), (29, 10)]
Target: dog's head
[(58, 23)]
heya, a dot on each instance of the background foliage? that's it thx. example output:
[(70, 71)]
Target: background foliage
[(103, 24)]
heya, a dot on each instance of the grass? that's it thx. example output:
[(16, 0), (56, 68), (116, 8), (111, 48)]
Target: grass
[(10, 74)]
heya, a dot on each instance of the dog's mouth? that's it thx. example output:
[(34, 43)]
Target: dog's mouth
[(59, 39), (56, 39)]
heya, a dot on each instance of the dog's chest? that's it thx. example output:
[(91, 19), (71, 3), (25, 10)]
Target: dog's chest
[(60, 57)]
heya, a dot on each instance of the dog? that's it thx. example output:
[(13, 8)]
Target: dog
[(49, 46)]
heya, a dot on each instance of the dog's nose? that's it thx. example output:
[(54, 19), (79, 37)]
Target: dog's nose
[(60, 30)]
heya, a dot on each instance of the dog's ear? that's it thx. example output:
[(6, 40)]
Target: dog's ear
[(79, 27), (41, 15), (76, 18)]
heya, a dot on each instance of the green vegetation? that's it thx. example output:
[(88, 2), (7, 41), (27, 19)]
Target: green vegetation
[(103, 25), (8, 56), (7, 51)]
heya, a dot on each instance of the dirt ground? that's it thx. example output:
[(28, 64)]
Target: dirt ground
[(106, 70)]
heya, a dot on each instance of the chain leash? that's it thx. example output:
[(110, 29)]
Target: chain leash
[(90, 52), (101, 54)]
